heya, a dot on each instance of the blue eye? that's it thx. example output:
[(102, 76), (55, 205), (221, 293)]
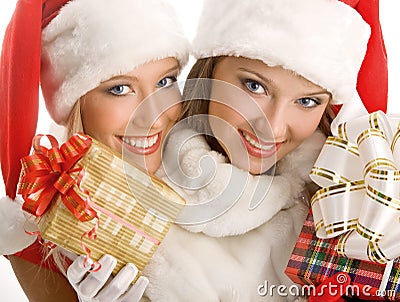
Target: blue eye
[(254, 86), (120, 90), (165, 82), (308, 102)]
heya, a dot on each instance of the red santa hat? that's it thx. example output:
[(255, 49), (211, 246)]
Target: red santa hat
[(372, 83), (72, 46), (324, 41)]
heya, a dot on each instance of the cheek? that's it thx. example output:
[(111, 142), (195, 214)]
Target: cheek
[(174, 112), (102, 118), (306, 126), (224, 122), (225, 113), (300, 130)]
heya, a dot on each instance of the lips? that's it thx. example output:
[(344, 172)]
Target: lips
[(257, 147), (143, 145)]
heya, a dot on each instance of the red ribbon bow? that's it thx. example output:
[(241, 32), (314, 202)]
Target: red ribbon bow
[(47, 172)]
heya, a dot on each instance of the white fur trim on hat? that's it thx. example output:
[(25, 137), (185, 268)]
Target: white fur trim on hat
[(322, 40), (92, 41), (13, 223)]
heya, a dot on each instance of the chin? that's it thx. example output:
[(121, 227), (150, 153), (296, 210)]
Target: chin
[(258, 167), (255, 168), (152, 163)]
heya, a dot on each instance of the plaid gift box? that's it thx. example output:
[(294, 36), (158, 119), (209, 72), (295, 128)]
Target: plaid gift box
[(134, 210), (313, 260)]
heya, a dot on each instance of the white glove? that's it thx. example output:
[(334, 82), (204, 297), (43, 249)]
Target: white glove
[(100, 286)]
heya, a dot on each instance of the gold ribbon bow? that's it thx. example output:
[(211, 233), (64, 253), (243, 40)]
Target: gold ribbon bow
[(360, 180)]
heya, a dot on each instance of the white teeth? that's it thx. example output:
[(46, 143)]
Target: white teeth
[(267, 147), (141, 142), (257, 144)]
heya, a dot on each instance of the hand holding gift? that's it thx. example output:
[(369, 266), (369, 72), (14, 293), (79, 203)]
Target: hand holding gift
[(101, 286)]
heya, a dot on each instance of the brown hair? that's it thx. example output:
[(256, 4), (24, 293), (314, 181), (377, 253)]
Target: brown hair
[(204, 69)]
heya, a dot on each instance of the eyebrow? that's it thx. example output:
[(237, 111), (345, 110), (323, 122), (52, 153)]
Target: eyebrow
[(267, 80), (135, 79), (173, 68), (271, 82), (320, 92)]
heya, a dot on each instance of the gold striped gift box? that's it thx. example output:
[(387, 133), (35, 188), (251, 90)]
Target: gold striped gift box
[(135, 210)]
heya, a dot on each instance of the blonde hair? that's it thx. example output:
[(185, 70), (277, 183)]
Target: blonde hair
[(204, 69), (74, 125)]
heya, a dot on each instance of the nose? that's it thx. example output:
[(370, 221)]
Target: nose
[(274, 123), (152, 104), (145, 112)]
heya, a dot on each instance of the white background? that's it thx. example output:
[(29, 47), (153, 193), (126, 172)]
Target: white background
[(189, 11)]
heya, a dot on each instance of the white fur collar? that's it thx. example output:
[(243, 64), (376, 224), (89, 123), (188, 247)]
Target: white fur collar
[(285, 189)]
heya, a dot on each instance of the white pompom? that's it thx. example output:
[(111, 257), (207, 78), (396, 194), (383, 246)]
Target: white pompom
[(13, 223)]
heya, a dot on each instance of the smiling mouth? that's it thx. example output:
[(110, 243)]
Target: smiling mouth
[(256, 144), (256, 147), (143, 145)]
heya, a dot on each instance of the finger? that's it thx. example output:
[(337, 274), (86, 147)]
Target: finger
[(94, 281), (119, 284), (67, 253), (136, 292), (76, 271)]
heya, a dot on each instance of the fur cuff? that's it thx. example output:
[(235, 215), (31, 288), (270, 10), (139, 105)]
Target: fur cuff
[(13, 223)]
